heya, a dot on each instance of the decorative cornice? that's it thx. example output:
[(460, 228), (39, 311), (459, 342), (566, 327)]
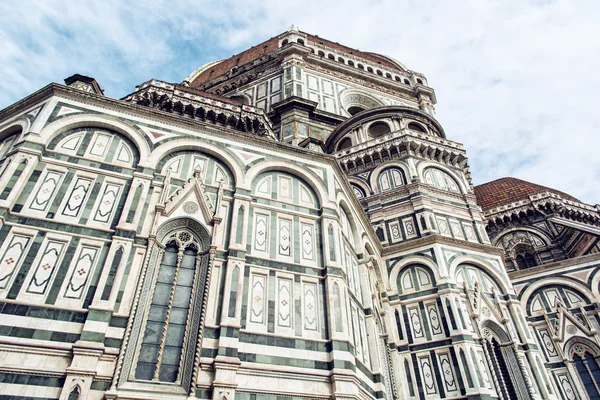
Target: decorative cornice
[(394, 112), (546, 203), (553, 266), (176, 99), (395, 144), (442, 240)]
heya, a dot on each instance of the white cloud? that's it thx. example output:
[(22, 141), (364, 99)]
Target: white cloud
[(515, 80)]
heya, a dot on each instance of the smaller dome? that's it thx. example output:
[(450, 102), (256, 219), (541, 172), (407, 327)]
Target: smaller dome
[(508, 190)]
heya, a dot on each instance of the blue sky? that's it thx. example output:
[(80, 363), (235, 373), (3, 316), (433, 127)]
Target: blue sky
[(516, 81)]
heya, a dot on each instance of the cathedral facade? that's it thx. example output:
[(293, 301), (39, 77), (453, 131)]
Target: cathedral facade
[(289, 223)]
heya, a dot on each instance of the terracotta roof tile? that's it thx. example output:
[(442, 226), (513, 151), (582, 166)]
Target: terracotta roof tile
[(345, 49), (508, 190), (272, 45), (244, 57)]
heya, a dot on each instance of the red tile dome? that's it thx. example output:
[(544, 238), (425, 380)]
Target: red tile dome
[(508, 190)]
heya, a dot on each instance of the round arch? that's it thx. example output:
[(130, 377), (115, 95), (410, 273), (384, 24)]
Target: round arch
[(375, 173), (356, 232), (533, 230), (220, 153), (356, 98), (497, 331), (570, 347), (280, 165), (199, 229), (595, 283), (500, 280), (399, 266), (21, 124), (98, 121), (525, 296), (360, 183), (423, 165)]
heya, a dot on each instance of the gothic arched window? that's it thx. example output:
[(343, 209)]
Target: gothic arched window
[(74, 395), (160, 353), (166, 330), (589, 372), (390, 178)]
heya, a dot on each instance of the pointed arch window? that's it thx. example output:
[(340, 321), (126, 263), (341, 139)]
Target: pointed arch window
[(589, 373), (74, 395), (524, 256), (174, 285)]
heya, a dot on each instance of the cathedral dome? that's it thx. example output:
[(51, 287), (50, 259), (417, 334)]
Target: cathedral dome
[(508, 190)]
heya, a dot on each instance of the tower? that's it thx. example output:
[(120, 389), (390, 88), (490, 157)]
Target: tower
[(290, 222)]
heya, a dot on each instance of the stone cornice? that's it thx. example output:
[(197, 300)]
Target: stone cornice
[(362, 78), (442, 240), (393, 112), (367, 155), (546, 202), (178, 121), (554, 266), (419, 188), (174, 98), (268, 64)]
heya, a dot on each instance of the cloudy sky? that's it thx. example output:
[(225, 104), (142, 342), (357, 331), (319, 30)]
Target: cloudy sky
[(516, 81)]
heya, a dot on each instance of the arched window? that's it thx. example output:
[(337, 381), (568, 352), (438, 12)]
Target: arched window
[(361, 66), (501, 369), (351, 63), (355, 110), (162, 345), (587, 364), (416, 127), (525, 257), (419, 81), (345, 143), (440, 180), (415, 278), (300, 41), (321, 53), (340, 59), (7, 143), (406, 82), (331, 57), (358, 191), (369, 69), (388, 75), (285, 41), (378, 129), (390, 178), (74, 395), (173, 286)]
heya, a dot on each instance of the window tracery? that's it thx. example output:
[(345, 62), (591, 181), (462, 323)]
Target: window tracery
[(166, 327)]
